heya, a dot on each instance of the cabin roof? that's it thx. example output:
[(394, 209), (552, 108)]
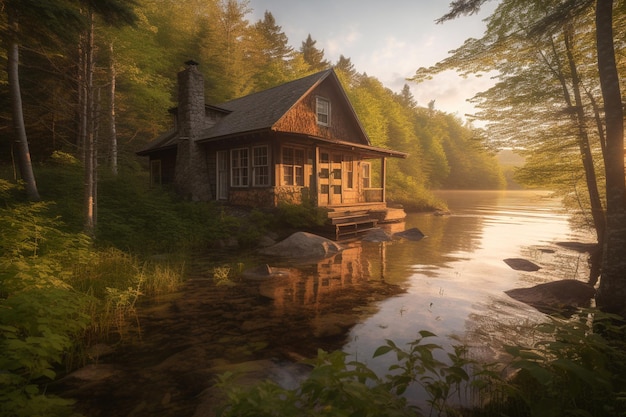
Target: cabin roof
[(260, 111)]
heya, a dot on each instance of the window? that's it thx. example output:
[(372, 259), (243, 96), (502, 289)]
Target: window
[(239, 167), (155, 172), (293, 166), (349, 168), (260, 166), (323, 111), (366, 175)]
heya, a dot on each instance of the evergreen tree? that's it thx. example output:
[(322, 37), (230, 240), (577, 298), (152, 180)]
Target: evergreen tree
[(312, 56), (273, 52)]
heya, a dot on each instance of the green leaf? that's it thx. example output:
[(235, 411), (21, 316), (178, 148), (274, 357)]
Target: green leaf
[(382, 350)]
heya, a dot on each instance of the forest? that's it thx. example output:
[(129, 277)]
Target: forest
[(104, 88), (87, 83)]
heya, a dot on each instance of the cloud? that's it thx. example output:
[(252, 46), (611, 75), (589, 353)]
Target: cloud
[(341, 44)]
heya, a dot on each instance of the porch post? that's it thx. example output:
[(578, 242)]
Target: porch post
[(315, 186), (383, 177)]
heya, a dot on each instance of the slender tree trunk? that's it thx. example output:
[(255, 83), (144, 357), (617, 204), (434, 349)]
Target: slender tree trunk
[(112, 127), (612, 292), (597, 211), (21, 140), (89, 201)]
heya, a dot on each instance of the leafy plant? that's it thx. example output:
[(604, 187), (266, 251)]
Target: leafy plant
[(458, 377), (333, 388), (576, 369)]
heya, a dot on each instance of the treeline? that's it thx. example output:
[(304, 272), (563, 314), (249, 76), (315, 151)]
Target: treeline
[(96, 79)]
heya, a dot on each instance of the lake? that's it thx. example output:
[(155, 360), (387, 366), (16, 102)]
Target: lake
[(451, 283), (455, 278)]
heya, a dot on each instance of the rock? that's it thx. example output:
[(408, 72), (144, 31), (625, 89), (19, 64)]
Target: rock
[(266, 241), (303, 245), (563, 296), (520, 264), (264, 272), (414, 234), (93, 372), (579, 246), (376, 235)]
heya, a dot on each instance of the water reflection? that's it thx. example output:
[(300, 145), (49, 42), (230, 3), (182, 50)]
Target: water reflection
[(455, 278)]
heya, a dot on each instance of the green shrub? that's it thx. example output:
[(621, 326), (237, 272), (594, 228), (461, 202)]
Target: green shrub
[(575, 369), (301, 216)]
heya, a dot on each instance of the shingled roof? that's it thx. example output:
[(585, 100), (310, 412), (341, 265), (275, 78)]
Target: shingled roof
[(260, 111), (251, 113)]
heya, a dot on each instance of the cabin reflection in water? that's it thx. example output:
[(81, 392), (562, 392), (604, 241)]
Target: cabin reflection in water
[(348, 277)]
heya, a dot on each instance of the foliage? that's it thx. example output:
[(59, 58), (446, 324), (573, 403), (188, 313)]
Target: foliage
[(301, 216), (146, 220), (579, 370), (58, 294), (41, 316), (335, 387)]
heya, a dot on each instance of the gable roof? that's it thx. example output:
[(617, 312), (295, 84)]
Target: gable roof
[(260, 111)]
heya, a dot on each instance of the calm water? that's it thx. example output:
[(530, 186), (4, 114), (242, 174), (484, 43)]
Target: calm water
[(455, 278), (451, 283)]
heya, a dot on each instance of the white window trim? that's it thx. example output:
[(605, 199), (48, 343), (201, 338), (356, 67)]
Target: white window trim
[(319, 100)]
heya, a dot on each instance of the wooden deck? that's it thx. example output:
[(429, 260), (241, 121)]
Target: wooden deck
[(351, 221)]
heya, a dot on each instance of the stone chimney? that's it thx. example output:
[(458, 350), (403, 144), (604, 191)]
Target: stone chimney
[(192, 175)]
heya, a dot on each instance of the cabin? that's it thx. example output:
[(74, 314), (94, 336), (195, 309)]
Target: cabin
[(298, 141)]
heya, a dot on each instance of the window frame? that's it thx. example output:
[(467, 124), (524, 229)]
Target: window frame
[(322, 112), (296, 169), (239, 173), (366, 175), (258, 167)]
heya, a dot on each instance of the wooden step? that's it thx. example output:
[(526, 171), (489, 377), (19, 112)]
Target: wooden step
[(353, 228)]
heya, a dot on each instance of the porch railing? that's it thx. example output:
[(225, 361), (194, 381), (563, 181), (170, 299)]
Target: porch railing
[(373, 195)]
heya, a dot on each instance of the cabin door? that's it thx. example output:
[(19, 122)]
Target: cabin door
[(222, 175), (336, 180), (330, 179)]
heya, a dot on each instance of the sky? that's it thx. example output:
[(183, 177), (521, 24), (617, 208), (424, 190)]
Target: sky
[(386, 39)]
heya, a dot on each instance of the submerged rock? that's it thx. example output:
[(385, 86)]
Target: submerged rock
[(265, 272), (562, 296), (410, 234), (303, 245), (520, 264), (376, 235)]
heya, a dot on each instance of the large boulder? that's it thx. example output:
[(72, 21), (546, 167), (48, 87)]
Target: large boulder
[(303, 245), (563, 297)]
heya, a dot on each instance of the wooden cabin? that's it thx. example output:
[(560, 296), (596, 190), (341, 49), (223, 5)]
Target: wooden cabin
[(300, 140)]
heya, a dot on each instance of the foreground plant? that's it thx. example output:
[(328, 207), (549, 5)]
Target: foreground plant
[(578, 367), (335, 387)]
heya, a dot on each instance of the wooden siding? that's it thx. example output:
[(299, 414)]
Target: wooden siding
[(302, 117)]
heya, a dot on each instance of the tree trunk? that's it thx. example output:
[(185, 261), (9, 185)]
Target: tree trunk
[(21, 140), (89, 201), (597, 211), (612, 292), (112, 128)]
